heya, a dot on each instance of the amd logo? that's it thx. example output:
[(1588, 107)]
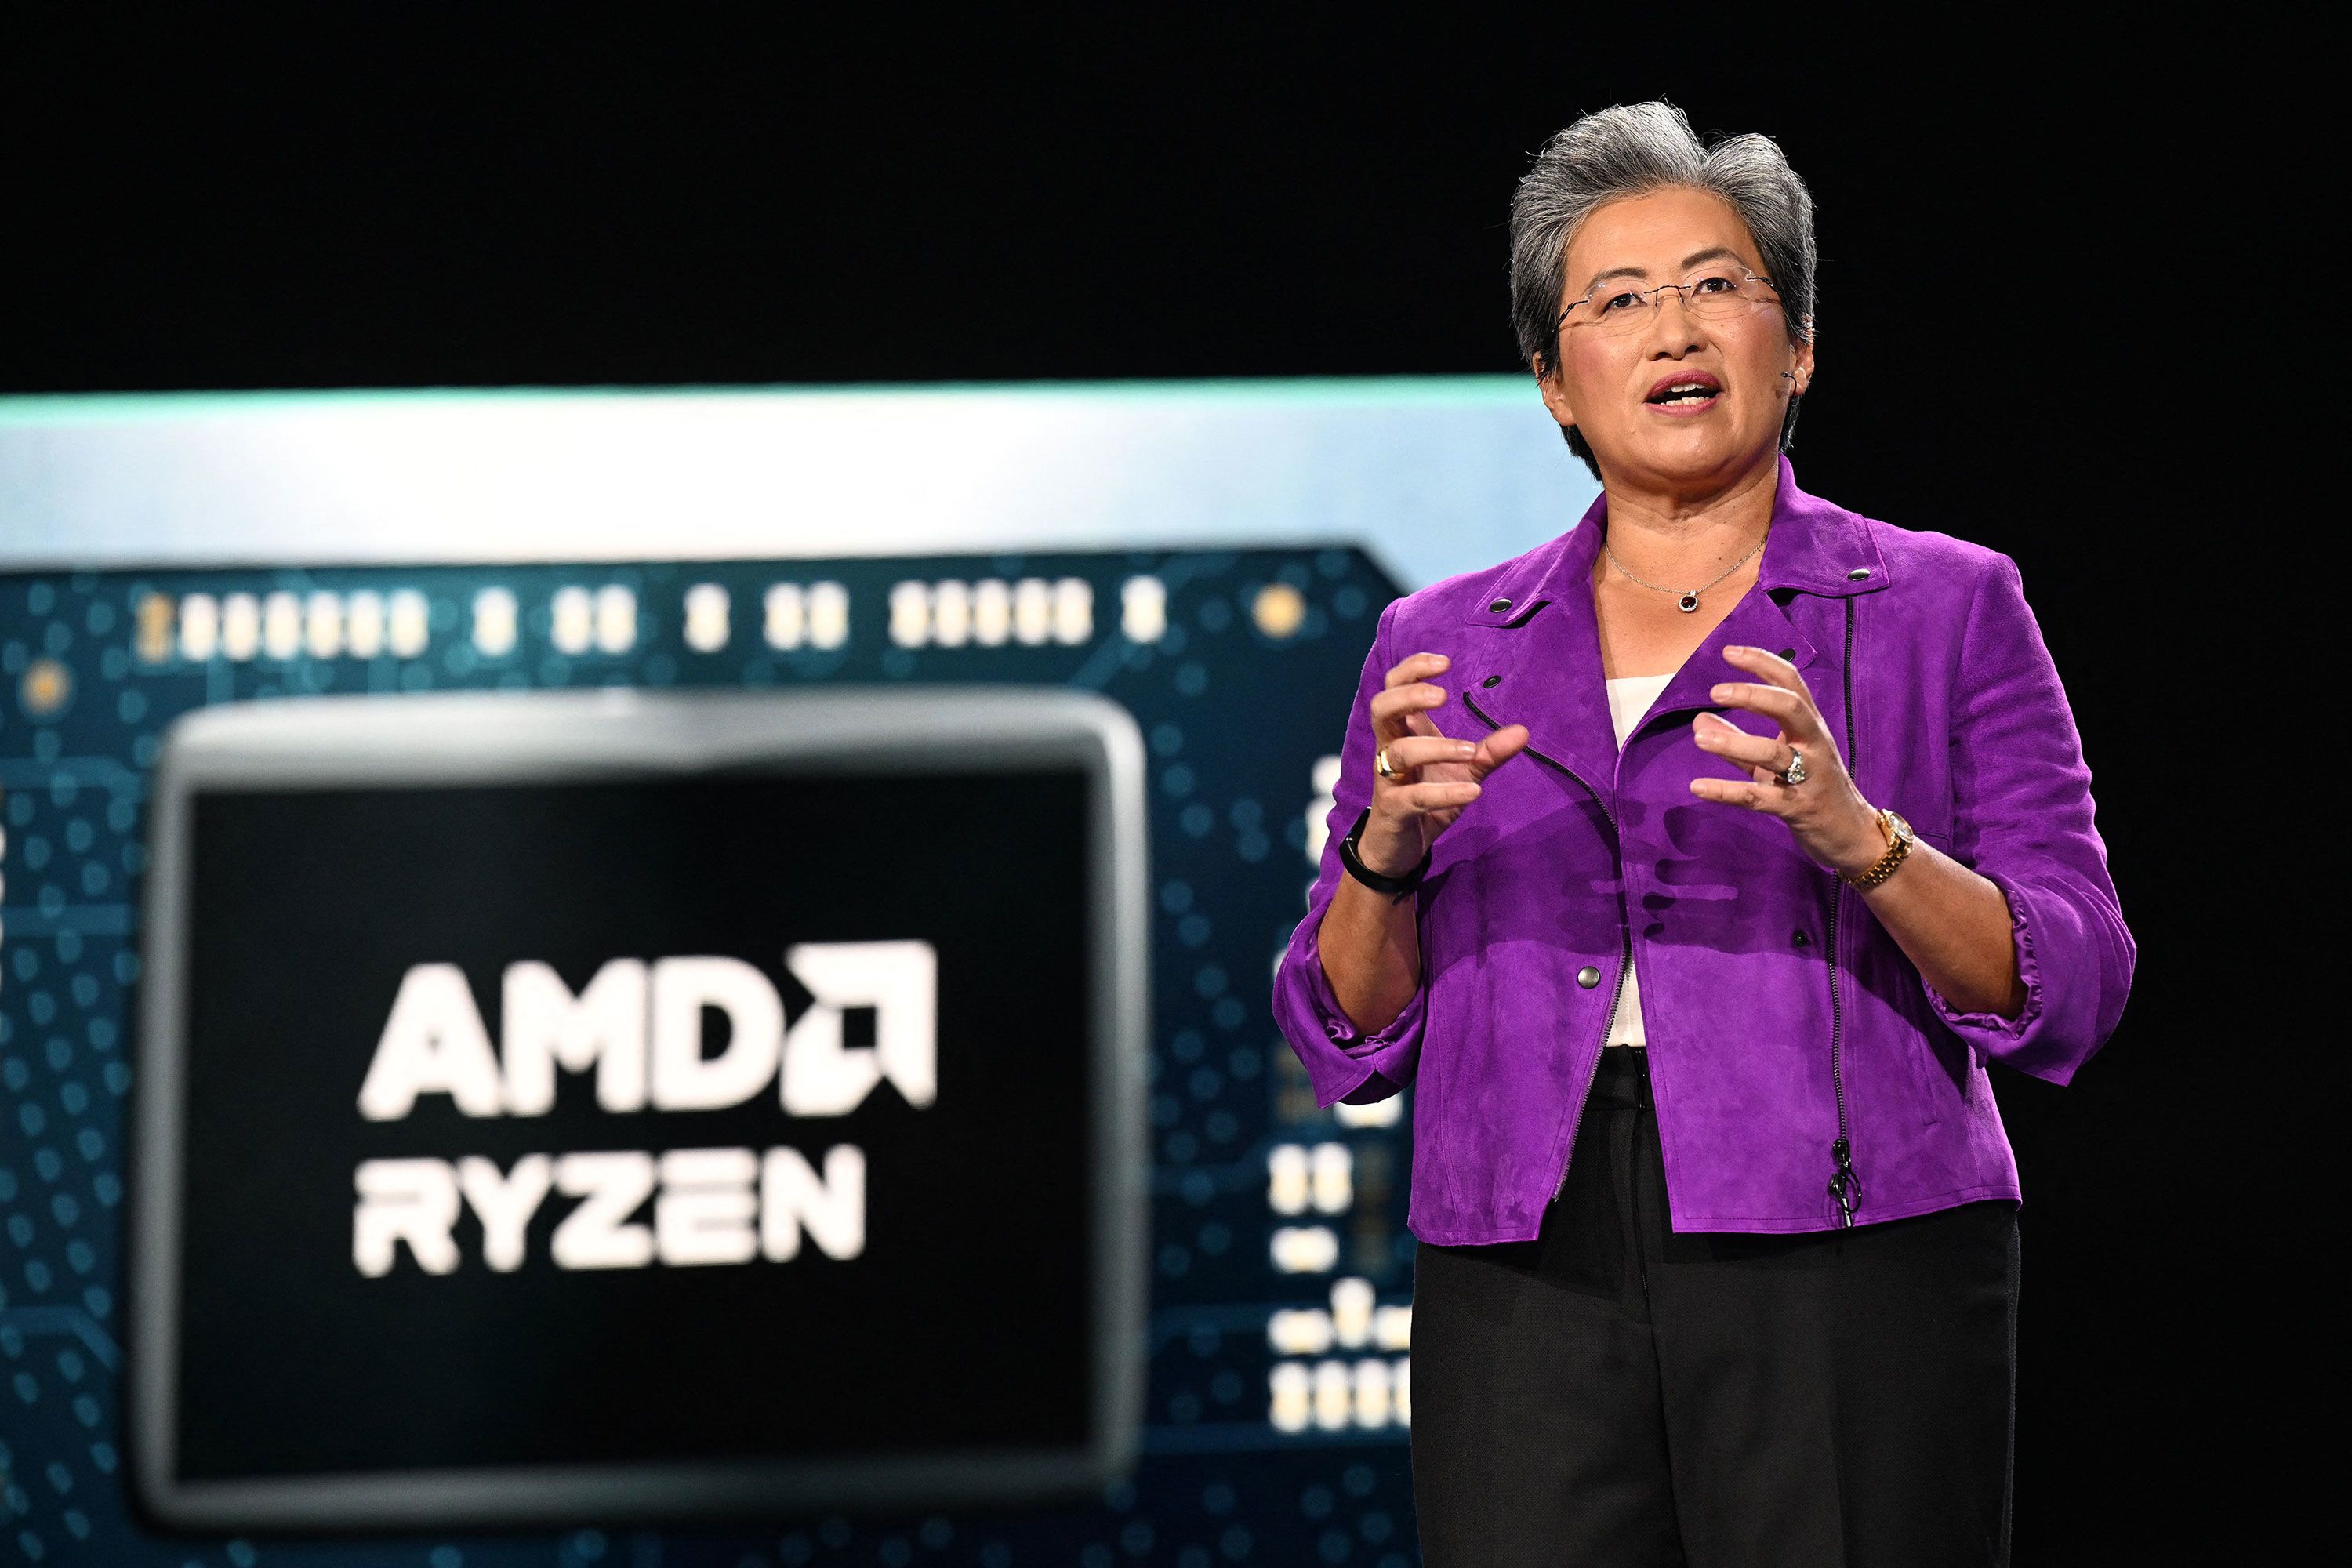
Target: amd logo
[(639, 1026)]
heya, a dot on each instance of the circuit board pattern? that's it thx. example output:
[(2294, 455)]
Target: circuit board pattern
[(1280, 1386)]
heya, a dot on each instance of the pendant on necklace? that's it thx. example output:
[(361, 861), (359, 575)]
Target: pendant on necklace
[(1687, 603)]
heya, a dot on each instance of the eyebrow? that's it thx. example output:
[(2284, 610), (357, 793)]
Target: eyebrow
[(1712, 253)]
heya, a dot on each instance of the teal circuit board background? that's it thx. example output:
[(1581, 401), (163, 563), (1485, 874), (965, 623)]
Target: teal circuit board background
[(1278, 1396)]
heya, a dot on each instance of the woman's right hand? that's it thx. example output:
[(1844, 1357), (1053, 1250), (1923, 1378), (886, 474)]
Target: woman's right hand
[(1436, 776)]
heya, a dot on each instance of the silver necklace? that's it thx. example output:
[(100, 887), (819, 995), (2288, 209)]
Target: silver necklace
[(1688, 599)]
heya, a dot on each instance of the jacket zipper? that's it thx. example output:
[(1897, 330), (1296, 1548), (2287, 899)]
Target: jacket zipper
[(1844, 1185), (1624, 938)]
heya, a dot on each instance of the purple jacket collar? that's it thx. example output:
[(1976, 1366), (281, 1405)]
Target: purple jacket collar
[(1551, 680)]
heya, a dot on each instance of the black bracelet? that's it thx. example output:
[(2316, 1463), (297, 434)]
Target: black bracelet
[(1396, 888)]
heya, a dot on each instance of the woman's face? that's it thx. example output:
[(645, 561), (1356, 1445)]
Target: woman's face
[(1617, 387)]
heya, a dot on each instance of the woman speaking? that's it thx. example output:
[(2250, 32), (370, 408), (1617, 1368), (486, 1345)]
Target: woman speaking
[(1695, 866)]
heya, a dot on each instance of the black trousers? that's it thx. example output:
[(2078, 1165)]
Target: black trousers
[(1616, 1394)]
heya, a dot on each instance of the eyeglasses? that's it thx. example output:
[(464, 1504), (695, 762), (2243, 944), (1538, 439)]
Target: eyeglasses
[(1712, 296)]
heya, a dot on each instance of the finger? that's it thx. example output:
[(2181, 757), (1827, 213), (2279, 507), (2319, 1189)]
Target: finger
[(1766, 666), (1419, 798), (1419, 666), (1714, 733), (1498, 748), (1421, 750), (1421, 723), (1770, 799), (1792, 710), (1390, 708)]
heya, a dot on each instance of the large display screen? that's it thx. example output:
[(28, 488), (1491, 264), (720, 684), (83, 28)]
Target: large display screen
[(151, 1380), (654, 1103)]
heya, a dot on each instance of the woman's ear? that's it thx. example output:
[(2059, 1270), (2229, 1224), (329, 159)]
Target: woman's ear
[(1555, 393), (1802, 368)]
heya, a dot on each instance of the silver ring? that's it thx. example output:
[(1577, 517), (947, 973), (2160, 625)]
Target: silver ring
[(1794, 773), (1381, 764)]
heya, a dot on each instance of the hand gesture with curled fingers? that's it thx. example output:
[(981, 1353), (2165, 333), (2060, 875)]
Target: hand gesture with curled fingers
[(1422, 778), (1798, 774)]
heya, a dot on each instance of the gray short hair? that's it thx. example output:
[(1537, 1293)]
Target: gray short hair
[(1629, 149)]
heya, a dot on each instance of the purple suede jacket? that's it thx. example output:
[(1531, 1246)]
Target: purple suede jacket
[(1780, 1015)]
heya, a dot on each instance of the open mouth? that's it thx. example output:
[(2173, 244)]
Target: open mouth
[(1684, 392)]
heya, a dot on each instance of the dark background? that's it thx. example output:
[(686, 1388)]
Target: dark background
[(306, 909), (2042, 253)]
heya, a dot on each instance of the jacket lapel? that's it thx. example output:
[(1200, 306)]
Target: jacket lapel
[(1546, 670), (1759, 621)]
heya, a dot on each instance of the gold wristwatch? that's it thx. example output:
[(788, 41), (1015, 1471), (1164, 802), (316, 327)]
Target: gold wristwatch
[(1898, 844)]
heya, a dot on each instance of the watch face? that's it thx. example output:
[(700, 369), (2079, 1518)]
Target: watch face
[(1899, 830)]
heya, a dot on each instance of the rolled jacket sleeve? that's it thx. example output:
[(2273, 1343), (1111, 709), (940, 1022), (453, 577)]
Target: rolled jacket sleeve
[(1342, 1062), (2022, 817)]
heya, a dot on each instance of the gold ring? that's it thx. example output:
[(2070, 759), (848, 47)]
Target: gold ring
[(1381, 764)]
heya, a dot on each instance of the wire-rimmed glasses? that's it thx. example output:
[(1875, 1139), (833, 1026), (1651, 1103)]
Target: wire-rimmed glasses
[(1714, 295)]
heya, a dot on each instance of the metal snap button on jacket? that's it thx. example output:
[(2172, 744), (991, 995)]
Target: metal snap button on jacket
[(1587, 977)]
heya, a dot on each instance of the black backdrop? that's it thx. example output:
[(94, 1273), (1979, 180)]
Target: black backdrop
[(2031, 253)]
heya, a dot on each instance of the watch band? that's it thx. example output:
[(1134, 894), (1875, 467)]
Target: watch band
[(1395, 887), (1899, 845)]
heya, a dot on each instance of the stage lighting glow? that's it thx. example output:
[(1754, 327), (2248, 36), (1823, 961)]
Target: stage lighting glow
[(200, 628), (1373, 1398), (1074, 610), (240, 628), (1386, 1112), (1332, 1177), (910, 614), (409, 626), (950, 613), (363, 623), (281, 626), (1286, 1178), (706, 627), (323, 626), (1351, 1311), (153, 639), (1305, 1248), (828, 613), (1334, 1390), (1033, 610), (785, 624), (1299, 1331), (1289, 1397), (572, 624), (955, 613), (991, 612), (1323, 779), (494, 623), (47, 686), (617, 619), (1143, 609), (1279, 610)]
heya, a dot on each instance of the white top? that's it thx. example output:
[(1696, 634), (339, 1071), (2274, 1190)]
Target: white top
[(1629, 699)]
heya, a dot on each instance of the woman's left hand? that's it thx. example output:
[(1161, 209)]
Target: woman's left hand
[(1831, 821)]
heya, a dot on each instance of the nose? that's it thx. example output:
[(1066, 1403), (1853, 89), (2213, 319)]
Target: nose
[(1677, 330)]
